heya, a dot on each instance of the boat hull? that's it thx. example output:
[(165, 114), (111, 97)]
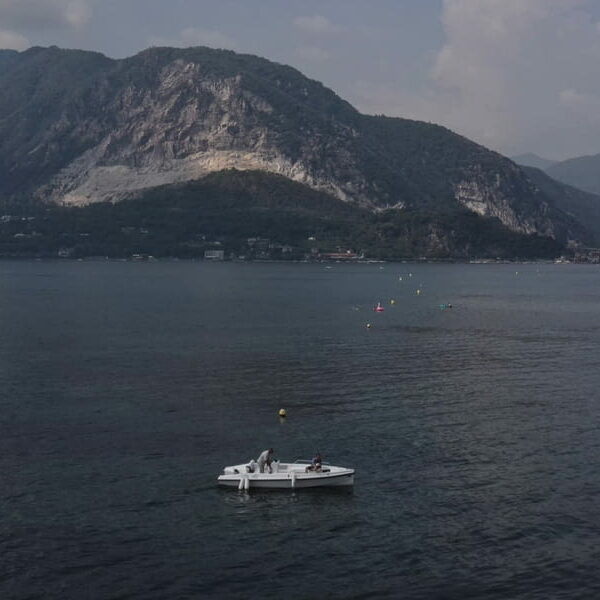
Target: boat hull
[(343, 478)]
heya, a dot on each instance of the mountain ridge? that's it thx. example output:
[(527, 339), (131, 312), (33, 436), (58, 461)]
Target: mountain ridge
[(78, 127), (582, 172), (530, 159)]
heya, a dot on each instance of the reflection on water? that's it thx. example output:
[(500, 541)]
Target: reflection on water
[(270, 498)]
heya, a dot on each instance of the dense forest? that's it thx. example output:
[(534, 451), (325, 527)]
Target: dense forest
[(226, 209)]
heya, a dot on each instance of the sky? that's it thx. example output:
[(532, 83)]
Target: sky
[(514, 75)]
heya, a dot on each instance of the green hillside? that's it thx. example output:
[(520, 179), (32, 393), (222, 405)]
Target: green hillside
[(224, 209), (584, 206)]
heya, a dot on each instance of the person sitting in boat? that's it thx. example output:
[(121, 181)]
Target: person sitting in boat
[(265, 459), (315, 464)]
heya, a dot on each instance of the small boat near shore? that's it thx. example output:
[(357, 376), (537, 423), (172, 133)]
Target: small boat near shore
[(294, 475)]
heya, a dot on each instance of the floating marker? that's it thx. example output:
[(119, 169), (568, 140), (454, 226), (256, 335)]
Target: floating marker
[(418, 292), (392, 301), (399, 278), (282, 412), (368, 325)]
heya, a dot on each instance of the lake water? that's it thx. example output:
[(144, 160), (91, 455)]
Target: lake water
[(474, 430)]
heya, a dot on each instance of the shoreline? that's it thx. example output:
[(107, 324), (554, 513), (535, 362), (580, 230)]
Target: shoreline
[(153, 259)]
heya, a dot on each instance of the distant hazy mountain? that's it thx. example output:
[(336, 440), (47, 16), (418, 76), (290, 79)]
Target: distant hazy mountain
[(532, 160), (582, 172), (584, 206), (77, 127)]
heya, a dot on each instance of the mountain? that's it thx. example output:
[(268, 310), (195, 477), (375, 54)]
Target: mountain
[(583, 206), (530, 159), (6, 56), (582, 172), (77, 128)]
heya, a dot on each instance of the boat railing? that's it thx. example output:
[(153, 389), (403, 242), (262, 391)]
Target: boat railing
[(308, 462)]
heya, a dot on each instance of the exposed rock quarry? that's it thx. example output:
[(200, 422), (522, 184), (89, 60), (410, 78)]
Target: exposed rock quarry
[(189, 125), (113, 128)]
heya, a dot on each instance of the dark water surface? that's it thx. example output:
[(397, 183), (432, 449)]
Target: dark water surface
[(475, 431)]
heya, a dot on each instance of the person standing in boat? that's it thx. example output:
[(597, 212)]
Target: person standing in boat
[(265, 458)]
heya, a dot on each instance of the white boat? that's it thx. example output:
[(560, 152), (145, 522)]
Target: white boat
[(286, 476)]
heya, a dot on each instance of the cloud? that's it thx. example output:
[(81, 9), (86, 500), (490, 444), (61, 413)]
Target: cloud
[(316, 25), (77, 13), (312, 53), (36, 15), (9, 40), (196, 36), (513, 75)]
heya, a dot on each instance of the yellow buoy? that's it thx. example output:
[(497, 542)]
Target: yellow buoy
[(282, 412)]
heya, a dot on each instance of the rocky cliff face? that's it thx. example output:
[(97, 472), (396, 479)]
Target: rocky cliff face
[(524, 211), (77, 128), (189, 125)]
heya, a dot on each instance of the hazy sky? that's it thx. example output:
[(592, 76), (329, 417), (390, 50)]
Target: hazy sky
[(515, 75)]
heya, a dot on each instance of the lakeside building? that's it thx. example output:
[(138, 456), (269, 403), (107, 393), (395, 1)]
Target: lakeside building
[(346, 256), (214, 255)]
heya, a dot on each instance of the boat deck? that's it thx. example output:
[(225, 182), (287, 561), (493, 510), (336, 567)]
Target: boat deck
[(286, 475)]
